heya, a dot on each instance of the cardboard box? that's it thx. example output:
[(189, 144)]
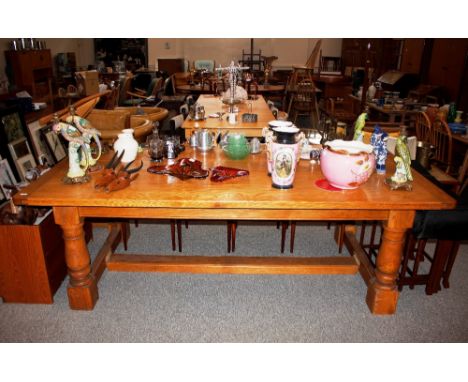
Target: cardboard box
[(88, 82)]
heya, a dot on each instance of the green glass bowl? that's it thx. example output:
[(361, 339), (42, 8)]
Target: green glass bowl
[(236, 152)]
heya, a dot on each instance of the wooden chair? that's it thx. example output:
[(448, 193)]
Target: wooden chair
[(139, 96), (125, 87), (304, 73), (448, 228), (207, 65), (252, 89), (340, 110), (441, 139), (393, 129), (303, 101), (422, 126)]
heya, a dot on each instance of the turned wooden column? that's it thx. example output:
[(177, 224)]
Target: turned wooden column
[(382, 293), (82, 288)]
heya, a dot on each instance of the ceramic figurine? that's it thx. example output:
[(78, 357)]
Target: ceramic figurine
[(402, 178), (403, 152), (379, 143), (76, 172), (358, 126), (89, 134)]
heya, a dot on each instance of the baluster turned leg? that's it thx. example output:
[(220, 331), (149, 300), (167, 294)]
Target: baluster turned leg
[(382, 293), (82, 287)]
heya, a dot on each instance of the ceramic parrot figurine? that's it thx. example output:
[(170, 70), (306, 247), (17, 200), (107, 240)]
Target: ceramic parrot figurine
[(358, 126), (403, 152), (76, 172), (89, 133)]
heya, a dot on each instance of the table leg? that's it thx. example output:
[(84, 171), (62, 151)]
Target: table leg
[(82, 287), (382, 293)]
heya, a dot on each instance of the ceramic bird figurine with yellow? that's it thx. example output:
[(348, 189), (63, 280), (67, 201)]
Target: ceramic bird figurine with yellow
[(358, 126), (402, 178), (403, 152)]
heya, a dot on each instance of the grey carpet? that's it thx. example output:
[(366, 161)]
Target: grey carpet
[(158, 307)]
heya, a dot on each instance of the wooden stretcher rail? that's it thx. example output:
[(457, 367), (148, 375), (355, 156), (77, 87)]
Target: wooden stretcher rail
[(233, 265)]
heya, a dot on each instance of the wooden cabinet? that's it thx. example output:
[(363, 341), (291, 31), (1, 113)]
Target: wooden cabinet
[(31, 70), (411, 55), (447, 65), (171, 65), (333, 86), (32, 262), (383, 53)]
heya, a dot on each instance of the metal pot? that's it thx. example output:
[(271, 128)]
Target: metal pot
[(424, 154), (205, 140)]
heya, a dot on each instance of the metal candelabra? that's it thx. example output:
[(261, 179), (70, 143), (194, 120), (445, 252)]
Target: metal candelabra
[(234, 71)]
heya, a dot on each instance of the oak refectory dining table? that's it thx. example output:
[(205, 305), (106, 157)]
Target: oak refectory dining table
[(249, 197), (213, 104)]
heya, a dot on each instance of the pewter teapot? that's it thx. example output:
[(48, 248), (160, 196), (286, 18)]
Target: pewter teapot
[(205, 139)]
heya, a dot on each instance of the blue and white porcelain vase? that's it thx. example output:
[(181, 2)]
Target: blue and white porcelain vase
[(379, 143)]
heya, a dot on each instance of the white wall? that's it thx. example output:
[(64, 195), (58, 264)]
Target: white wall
[(290, 51)]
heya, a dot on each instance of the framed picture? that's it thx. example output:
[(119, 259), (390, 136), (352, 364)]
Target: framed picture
[(24, 164), (13, 126), (39, 146), (6, 178), (14, 137), (19, 148), (21, 154), (54, 143)]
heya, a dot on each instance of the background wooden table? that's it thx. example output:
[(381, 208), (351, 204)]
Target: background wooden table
[(213, 105)]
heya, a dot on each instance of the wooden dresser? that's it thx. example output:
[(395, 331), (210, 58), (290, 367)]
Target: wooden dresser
[(31, 70)]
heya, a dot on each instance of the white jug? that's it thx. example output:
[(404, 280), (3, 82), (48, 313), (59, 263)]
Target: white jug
[(126, 142)]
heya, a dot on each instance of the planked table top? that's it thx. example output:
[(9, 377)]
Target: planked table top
[(253, 192)]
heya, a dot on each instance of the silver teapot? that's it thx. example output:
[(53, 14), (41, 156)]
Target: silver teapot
[(205, 139)]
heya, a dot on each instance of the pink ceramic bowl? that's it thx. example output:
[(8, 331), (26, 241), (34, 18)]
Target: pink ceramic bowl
[(347, 164)]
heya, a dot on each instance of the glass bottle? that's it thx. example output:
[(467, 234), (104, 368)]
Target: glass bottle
[(155, 146), (452, 113)]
